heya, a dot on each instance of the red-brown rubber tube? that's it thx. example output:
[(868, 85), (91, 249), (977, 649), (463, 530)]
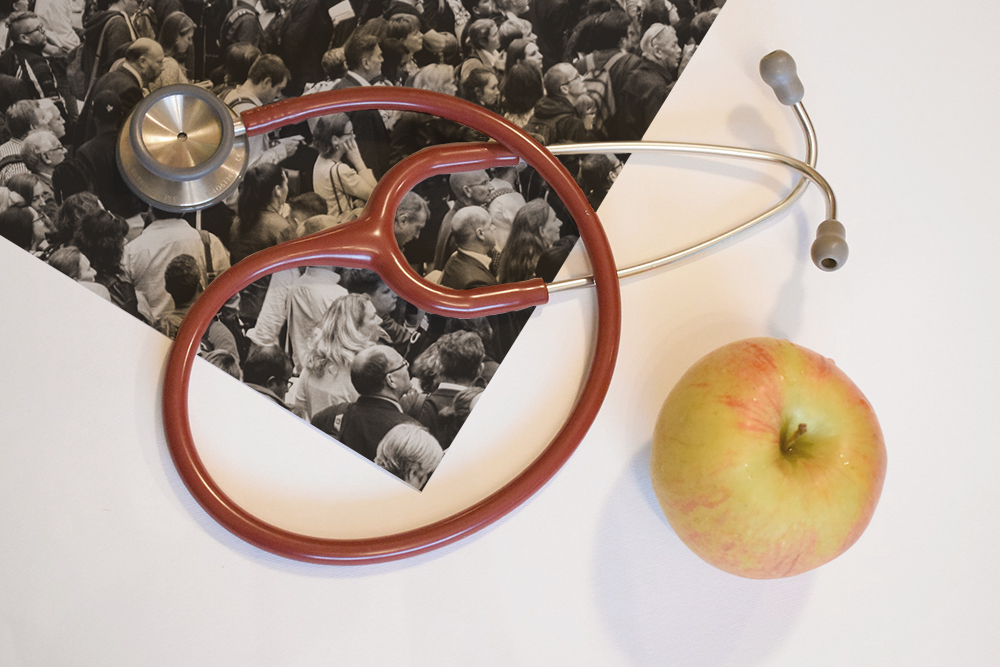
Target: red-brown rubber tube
[(369, 243)]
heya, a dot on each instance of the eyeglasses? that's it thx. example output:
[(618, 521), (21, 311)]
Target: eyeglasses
[(39, 28), (406, 364), (61, 149)]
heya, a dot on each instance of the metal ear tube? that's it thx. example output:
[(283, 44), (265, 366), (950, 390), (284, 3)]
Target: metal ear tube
[(829, 251)]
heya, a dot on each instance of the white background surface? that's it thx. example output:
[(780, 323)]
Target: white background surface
[(106, 560)]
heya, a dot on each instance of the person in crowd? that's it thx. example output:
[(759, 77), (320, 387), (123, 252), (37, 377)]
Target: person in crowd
[(524, 51), (22, 226), (143, 63), (482, 49), (647, 84), (535, 229), (42, 153), (98, 156), (67, 221), (555, 119), (301, 208), (37, 194), (259, 223), (147, 256), (29, 59), (475, 238), (226, 361), (268, 371), (598, 172), (410, 453), (107, 33), (508, 32), (349, 326), (300, 37), (176, 37), (586, 110), (406, 29), (241, 25), (452, 417), (237, 60), (268, 76), (73, 263), (101, 237), (470, 188), (411, 218), (440, 48), (400, 335), (363, 57), (552, 21), (397, 68), (477, 9), (380, 376), (460, 355), (414, 131), (340, 175), (483, 88), (182, 281), (22, 117), (514, 11), (521, 90)]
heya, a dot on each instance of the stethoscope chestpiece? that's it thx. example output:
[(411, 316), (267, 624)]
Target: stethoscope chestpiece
[(180, 150)]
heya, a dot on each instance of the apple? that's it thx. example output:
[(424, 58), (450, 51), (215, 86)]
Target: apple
[(767, 460)]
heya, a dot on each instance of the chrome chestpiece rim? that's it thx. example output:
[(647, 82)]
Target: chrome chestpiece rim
[(180, 151)]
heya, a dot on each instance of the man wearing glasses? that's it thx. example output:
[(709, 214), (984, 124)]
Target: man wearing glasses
[(42, 152), (382, 378), (29, 59)]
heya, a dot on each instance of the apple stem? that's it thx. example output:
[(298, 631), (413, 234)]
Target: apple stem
[(787, 445)]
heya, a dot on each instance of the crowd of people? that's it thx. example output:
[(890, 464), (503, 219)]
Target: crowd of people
[(333, 345)]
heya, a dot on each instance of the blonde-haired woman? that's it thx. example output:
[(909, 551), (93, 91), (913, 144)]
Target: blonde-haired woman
[(349, 326)]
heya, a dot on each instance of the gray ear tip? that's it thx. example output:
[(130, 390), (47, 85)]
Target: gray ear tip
[(778, 71), (829, 250)]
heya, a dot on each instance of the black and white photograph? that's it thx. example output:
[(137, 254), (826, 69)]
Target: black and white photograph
[(334, 346)]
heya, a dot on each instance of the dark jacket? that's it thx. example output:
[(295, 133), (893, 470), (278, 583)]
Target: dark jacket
[(361, 425), (118, 37), (370, 132), (557, 116), (644, 87), (16, 62)]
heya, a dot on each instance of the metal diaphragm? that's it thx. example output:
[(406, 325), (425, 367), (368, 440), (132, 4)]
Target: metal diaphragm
[(179, 151)]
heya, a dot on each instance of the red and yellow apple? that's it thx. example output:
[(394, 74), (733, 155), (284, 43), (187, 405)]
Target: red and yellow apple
[(767, 460)]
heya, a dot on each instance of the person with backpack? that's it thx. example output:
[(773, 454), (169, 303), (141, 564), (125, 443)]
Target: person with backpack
[(555, 118), (106, 35), (611, 35), (241, 25), (147, 256), (646, 85)]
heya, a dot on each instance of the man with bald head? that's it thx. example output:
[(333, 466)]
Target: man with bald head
[(471, 188), (381, 376), (142, 65), (475, 237), (555, 120)]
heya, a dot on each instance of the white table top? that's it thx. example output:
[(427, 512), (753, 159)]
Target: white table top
[(105, 558)]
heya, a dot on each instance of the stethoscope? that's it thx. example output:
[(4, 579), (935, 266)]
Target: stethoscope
[(182, 149)]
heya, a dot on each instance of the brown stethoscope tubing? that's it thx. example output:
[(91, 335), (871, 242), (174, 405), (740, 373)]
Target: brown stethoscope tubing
[(369, 242)]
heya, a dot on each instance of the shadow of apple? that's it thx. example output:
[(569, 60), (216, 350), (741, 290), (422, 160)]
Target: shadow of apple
[(664, 605)]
